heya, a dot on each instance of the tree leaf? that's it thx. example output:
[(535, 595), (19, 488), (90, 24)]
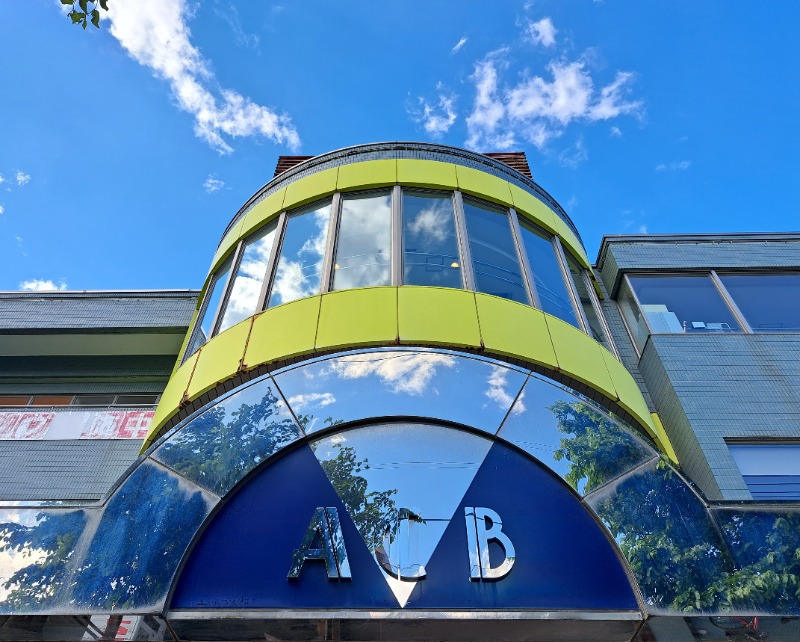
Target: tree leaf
[(96, 18), (82, 5), (103, 5), (67, 1)]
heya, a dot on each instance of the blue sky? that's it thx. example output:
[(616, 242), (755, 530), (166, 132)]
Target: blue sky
[(125, 151)]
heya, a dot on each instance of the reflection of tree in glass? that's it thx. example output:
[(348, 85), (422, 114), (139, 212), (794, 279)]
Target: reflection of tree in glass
[(373, 512), (217, 450), (145, 530), (597, 449), (52, 539)]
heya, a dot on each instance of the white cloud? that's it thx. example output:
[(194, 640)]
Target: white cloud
[(542, 32), (408, 373), (459, 44), (155, 34), (673, 166), (2, 179), (575, 155), (2, 209), (230, 15), (212, 184), (436, 119), (42, 285), (539, 109), (22, 178), (497, 390), (319, 399), (615, 131)]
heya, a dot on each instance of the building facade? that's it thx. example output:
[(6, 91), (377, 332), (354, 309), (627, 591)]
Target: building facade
[(406, 405)]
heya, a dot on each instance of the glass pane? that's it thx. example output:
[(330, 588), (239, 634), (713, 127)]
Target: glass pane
[(547, 275), (137, 400), (300, 264), (769, 302), (595, 327), (52, 400), (430, 244), (220, 446), (400, 383), (771, 471), (363, 248), (203, 325), (569, 435), (668, 538), (93, 400), (494, 257), (633, 316), (674, 304), (249, 277)]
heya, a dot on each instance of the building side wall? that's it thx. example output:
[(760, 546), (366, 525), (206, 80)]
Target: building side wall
[(712, 387)]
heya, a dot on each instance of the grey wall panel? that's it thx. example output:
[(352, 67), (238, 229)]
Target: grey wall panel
[(63, 470), (707, 388)]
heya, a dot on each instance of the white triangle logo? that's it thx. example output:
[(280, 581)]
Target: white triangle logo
[(401, 484)]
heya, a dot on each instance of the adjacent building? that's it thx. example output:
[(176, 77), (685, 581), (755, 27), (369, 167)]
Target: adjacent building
[(407, 405)]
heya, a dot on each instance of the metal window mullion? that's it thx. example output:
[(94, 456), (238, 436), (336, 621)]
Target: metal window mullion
[(467, 271), (326, 279), (396, 251), (639, 305), (272, 263), (226, 293), (572, 290), (726, 296), (527, 272), (598, 311)]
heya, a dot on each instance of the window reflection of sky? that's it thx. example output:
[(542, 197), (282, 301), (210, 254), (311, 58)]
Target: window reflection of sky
[(425, 384), (364, 243), (404, 462), (430, 246)]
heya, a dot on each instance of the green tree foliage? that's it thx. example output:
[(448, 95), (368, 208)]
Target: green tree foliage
[(85, 11), (373, 512)]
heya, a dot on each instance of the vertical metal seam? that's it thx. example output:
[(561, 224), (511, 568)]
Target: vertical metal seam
[(572, 290), (272, 263), (468, 275), (396, 249), (326, 279), (527, 271), (729, 301)]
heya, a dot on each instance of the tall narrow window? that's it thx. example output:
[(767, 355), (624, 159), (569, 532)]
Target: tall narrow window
[(547, 275), (430, 244), (205, 321), (363, 248), (300, 264), (249, 277), (596, 329), (494, 256)]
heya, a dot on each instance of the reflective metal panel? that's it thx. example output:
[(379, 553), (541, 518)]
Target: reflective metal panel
[(132, 556), (243, 299), (363, 248), (430, 243), (668, 538), (401, 383), (225, 442), (572, 436), (36, 547), (300, 264), (494, 256), (385, 474)]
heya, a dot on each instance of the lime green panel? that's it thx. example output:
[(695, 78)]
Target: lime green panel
[(438, 316), (514, 330), (220, 358), (286, 331), (365, 316), (171, 398), (628, 394), (266, 210), (310, 188), (367, 174), (580, 356), (664, 438), (530, 207), (571, 243), (423, 173), (483, 185)]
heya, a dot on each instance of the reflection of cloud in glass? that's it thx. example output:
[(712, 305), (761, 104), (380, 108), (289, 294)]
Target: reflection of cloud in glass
[(249, 278), (498, 380), (409, 373), (362, 255), (433, 222), (301, 402)]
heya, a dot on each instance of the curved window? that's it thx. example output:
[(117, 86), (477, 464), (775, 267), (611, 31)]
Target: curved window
[(494, 256), (363, 250), (299, 267), (430, 243), (402, 236), (249, 279)]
